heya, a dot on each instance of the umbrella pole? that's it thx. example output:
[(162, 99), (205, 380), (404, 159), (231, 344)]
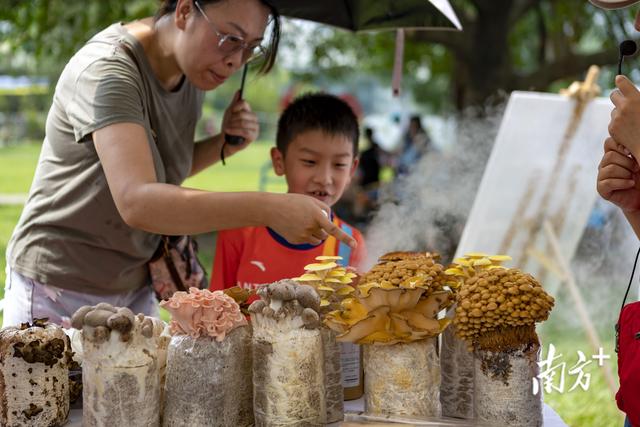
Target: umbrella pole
[(235, 139)]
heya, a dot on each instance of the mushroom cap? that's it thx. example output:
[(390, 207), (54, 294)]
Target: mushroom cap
[(476, 255), (308, 277), (345, 290), (284, 290), (337, 272), (377, 320), (500, 258), (320, 266), (308, 297), (310, 318), (257, 306), (463, 262), (329, 258), (397, 299)]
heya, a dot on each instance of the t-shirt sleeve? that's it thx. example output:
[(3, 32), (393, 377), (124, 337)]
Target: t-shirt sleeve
[(107, 91), (224, 274), (359, 256)]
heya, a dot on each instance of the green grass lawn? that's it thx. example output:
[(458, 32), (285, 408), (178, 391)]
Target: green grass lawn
[(594, 407)]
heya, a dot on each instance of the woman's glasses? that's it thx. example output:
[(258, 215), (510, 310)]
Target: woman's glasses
[(230, 44)]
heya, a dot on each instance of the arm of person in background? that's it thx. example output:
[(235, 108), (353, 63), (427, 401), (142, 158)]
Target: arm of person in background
[(239, 120), (624, 126), (224, 274), (619, 181), (160, 208)]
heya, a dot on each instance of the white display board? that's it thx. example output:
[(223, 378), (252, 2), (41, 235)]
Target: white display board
[(535, 174)]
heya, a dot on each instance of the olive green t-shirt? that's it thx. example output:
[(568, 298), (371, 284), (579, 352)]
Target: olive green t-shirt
[(70, 234)]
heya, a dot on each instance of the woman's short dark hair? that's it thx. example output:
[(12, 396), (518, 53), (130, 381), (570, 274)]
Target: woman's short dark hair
[(169, 6)]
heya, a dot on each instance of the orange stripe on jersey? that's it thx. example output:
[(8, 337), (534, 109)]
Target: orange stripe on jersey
[(329, 248)]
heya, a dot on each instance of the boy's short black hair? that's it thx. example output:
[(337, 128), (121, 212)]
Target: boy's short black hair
[(317, 111)]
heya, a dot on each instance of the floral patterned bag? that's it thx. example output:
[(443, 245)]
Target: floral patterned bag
[(175, 267)]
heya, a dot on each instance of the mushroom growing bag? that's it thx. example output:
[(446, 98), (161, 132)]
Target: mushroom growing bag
[(208, 374), (120, 370), (288, 362), (34, 375), (496, 315), (402, 379), (503, 387), (208, 383)]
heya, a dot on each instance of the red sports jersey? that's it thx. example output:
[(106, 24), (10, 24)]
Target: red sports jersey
[(252, 256)]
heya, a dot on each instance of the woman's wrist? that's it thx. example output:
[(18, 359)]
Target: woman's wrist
[(267, 205)]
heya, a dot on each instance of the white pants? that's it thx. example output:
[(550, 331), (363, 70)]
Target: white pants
[(25, 300)]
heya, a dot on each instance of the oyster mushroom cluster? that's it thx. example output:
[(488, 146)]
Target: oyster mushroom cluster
[(285, 306), (398, 300), (201, 312), (499, 307), (332, 282), (97, 323)]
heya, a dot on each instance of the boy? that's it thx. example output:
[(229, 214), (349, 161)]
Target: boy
[(316, 151)]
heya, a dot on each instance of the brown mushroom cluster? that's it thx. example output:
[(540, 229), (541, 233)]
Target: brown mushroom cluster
[(406, 270), (397, 301), (499, 307), (286, 305), (242, 297), (331, 281), (104, 318)]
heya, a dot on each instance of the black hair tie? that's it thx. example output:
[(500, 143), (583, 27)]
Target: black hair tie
[(224, 144)]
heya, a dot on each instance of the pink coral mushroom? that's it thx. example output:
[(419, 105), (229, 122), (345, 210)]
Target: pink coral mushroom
[(201, 312)]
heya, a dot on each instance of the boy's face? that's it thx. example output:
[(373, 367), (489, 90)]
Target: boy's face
[(317, 164)]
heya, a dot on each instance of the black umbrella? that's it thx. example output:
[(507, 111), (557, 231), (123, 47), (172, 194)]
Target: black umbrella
[(363, 15), (368, 15)]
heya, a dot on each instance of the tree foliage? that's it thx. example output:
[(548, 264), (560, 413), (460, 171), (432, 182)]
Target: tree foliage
[(506, 44)]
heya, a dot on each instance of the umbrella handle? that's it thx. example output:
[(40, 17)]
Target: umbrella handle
[(236, 139)]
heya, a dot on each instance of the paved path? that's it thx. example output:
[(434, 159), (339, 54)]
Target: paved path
[(12, 199)]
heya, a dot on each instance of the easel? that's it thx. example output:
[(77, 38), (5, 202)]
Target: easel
[(564, 273), (583, 93)]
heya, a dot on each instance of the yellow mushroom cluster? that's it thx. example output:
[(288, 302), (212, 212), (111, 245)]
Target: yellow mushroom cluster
[(332, 282), (398, 300), (406, 270), (498, 308), (471, 264)]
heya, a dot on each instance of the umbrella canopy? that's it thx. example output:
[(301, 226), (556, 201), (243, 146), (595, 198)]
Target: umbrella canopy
[(364, 15)]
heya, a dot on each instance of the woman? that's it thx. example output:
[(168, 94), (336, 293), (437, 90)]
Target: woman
[(119, 142)]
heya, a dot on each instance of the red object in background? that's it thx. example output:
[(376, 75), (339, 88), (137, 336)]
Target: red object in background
[(353, 102), (628, 396), (294, 91)]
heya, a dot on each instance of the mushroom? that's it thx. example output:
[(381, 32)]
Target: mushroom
[(498, 308), (398, 301), (97, 317), (310, 318), (77, 320), (331, 281), (282, 291), (308, 297)]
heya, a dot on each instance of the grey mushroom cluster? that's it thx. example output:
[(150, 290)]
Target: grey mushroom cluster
[(104, 318), (288, 304)]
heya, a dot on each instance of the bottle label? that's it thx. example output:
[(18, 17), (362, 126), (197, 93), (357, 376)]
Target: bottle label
[(350, 358)]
